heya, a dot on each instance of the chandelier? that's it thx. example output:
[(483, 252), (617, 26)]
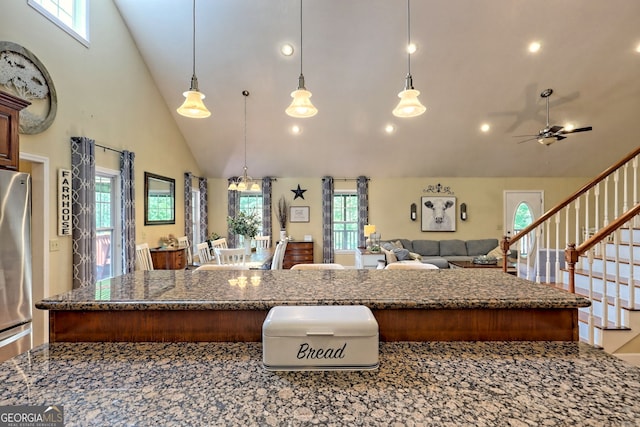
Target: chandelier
[(245, 182)]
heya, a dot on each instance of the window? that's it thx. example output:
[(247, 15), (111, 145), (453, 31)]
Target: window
[(70, 15), (345, 221), (251, 203), (195, 216), (522, 219), (108, 263)]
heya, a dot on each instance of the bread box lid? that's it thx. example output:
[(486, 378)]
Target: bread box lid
[(324, 320)]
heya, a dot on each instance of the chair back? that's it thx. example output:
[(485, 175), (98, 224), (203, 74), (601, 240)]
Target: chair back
[(143, 257), (411, 266), (324, 266), (222, 267), (220, 243), (278, 255), (203, 253), (230, 256), (262, 242), (183, 242)]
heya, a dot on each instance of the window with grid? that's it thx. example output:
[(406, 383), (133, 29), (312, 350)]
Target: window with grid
[(72, 16), (251, 203), (105, 226), (345, 221)]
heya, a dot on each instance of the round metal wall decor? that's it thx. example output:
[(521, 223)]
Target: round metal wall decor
[(23, 75)]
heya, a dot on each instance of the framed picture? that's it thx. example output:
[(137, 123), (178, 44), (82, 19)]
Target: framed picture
[(438, 213), (299, 214)]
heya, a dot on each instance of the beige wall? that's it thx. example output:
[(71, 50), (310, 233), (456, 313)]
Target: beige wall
[(390, 200), (105, 93)]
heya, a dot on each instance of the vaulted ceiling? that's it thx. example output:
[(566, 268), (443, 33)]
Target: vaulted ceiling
[(472, 67)]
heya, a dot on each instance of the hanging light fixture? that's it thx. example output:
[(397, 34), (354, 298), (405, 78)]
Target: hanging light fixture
[(193, 106), (245, 182), (409, 105), (301, 105)]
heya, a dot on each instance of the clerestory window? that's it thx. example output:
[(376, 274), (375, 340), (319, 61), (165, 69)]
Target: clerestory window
[(72, 16)]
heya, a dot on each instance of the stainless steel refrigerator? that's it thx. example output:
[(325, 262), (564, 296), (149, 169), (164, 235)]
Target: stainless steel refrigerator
[(15, 263)]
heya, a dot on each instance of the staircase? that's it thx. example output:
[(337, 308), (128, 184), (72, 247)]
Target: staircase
[(589, 244)]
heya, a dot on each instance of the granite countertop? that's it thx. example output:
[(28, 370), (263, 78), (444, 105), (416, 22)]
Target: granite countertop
[(261, 290), (431, 383)]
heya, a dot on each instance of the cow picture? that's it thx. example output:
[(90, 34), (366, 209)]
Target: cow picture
[(438, 213)]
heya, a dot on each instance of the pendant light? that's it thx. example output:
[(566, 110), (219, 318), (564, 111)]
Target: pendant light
[(409, 105), (193, 106), (245, 182), (301, 105)]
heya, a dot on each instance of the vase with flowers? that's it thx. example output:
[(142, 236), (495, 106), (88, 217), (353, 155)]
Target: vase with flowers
[(246, 225)]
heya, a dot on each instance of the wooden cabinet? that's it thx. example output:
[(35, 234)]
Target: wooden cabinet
[(10, 107), (298, 253), (169, 259)]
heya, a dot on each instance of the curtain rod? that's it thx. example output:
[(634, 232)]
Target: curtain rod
[(108, 148)]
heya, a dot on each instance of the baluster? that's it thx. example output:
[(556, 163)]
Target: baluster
[(547, 263), (538, 245), (605, 220), (596, 195), (635, 187), (632, 288), (605, 296), (558, 253), (616, 191), (591, 321), (577, 207), (625, 195), (617, 302)]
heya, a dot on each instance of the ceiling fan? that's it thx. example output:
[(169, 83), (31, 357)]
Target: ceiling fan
[(551, 134)]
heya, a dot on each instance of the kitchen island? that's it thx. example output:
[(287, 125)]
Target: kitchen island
[(427, 383), (230, 306)]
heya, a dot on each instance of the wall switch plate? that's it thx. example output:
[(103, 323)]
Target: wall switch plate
[(54, 245)]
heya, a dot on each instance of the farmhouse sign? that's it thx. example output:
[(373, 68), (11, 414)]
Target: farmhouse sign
[(64, 202)]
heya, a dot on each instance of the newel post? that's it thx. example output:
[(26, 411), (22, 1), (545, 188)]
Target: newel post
[(504, 245), (571, 257)]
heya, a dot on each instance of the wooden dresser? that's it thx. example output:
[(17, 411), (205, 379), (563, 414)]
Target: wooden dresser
[(169, 259), (298, 253)]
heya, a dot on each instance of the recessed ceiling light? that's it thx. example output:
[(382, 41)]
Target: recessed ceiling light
[(412, 48), (295, 129), (485, 127), (534, 47), (286, 49), (638, 48), (389, 128)]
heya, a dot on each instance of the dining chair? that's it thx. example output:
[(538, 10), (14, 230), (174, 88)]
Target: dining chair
[(203, 253), (411, 266), (222, 267), (323, 266), (220, 243), (235, 256), (183, 242), (278, 255), (262, 242), (143, 257)]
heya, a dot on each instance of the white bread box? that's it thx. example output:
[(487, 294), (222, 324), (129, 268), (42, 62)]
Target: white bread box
[(328, 337)]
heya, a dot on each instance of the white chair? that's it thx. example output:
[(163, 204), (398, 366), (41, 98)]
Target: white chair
[(222, 267), (143, 257), (220, 243), (262, 242), (412, 265), (230, 256), (278, 255), (203, 253), (183, 242), (325, 266)]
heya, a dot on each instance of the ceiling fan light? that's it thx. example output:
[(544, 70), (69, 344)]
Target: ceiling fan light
[(193, 106), (409, 105), (301, 106)]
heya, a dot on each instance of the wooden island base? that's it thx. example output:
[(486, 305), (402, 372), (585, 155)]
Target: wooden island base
[(246, 325)]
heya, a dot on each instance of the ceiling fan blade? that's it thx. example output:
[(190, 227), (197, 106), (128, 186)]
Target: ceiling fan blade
[(530, 139), (554, 129), (584, 129), (560, 137)]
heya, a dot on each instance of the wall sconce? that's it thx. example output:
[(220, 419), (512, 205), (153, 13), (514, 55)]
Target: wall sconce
[(463, 211), (414, 212)]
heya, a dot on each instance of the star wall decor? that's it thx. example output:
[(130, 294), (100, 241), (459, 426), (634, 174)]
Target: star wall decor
[(299, 192)]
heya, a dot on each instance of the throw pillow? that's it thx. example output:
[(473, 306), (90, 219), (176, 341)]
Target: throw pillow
[(401, 254), (415, 256), (496, 253), (389, 255)]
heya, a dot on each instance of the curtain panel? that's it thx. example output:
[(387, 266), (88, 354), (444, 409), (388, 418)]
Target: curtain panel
[(327, 220), (128, 213), (188, 207), (204, 209), (83, 218), (233, 206), (363, 208), (266, 207)]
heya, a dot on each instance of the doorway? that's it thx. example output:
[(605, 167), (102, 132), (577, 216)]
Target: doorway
[(521, 208)]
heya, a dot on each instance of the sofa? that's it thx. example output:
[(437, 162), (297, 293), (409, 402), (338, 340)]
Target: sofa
[(439, 252)]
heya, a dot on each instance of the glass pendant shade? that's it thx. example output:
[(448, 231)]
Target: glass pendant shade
[(301, 105), (193, 106), (232, 187), (409, 105)]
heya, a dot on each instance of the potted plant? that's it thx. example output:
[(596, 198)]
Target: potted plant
[(282, 213), (246, 225)]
